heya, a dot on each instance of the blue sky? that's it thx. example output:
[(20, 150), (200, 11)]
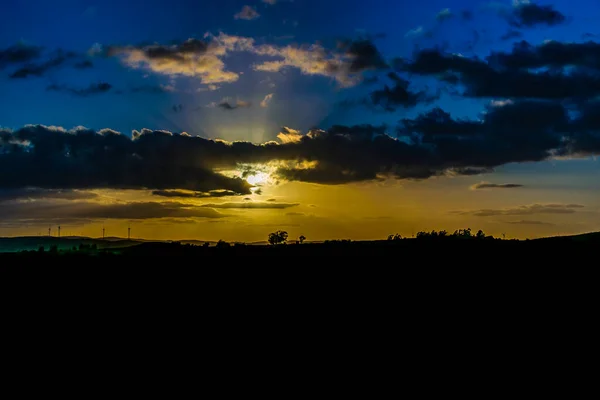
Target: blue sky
[(108, 78), (299, 101)]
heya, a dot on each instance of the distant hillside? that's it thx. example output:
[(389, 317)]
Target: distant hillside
[(584, 237), (14, 244)]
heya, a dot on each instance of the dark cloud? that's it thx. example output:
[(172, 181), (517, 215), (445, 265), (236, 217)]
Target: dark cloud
[(527, 210), (253, 205), (398, 95), (585, 133), (198, 195), (175, 52), (433, 143), (35, 193), (549, 54), (226, 105), (49, 157), (525, 14), (364, 55), (57, 59), (83, 64), (511, 34), (438, 122), (511, 132), (152, 89), (488, 185), (94, 88), (48, 210), (19, 53), (481, 79)]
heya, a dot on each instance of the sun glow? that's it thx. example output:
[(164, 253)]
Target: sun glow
[(258, 178)]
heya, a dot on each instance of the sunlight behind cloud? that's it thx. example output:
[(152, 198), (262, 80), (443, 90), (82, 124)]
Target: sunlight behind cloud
[(258, 178)]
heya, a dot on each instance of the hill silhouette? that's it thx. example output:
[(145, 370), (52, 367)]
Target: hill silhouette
[(426, 248)]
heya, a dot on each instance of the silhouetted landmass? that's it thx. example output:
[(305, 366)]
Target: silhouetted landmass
[(427, 249)]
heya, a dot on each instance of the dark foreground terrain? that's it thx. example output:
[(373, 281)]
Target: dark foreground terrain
[(402, 252)]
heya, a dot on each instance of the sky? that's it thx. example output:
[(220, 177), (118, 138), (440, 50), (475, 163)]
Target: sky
[(329, 119)]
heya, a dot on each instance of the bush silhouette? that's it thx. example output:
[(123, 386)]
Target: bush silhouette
[(458, 234)]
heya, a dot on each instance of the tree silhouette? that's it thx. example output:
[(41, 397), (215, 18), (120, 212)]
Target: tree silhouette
[(302, 238), (278, 237)]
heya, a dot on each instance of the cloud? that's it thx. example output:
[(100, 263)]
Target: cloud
[(527, 14), (432, 143), (203, 58), (252, 205), (94, 88), (490, 79), (247, 13), (527, 210), (85, 64), (415, 32), (398, 95), (49, 210), (227, 105), (57, 59), (511, 34), (19, 53), (36, 193), (488, 185), (267, 100), (271, 2), (153, 89), (344, 64), (289, 135), (516, 132), (551, 54), (528, 222), (194, 57), (95, 50), (444, 15), (198, 195), (52, 157)]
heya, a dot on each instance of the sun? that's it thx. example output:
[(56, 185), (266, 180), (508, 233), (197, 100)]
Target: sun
[(258, 178)]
